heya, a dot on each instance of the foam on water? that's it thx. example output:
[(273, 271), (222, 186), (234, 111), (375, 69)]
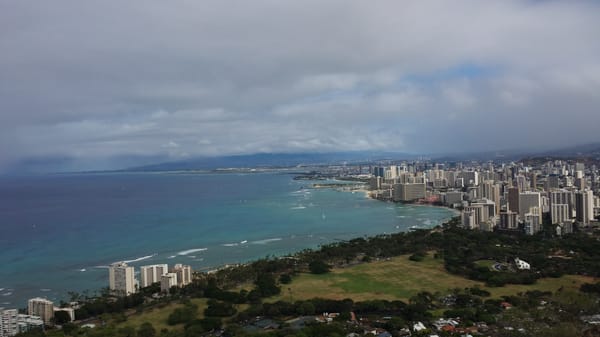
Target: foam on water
[(140, 258), (265, 241), (190, 251)]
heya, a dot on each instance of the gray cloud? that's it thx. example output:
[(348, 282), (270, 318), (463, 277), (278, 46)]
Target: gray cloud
[(152, 79)]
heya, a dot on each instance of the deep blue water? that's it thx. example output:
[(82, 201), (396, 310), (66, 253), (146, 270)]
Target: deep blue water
[(58, 233)]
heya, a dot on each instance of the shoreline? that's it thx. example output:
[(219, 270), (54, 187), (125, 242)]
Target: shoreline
[(245, 257)]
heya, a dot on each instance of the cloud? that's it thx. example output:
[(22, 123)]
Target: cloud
[(98, 81)]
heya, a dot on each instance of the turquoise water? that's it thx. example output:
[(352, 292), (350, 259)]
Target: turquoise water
[(59, 233)]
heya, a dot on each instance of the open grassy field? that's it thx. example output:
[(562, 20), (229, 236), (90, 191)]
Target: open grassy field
[(400, 278), (158, 316)]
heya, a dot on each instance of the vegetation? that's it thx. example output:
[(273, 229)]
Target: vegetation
[(405, 277)]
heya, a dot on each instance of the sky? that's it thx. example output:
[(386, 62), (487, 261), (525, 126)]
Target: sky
[(110, 84)]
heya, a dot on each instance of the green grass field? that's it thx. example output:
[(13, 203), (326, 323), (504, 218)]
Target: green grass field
[(396, 278), (158, 316), (400, 278)]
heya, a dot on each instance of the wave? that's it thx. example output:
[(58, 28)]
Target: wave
[(45, 289), (141, 258), (243, 242), (82, 269), (298, 207), (101, 267), (189, 251), (265, 241), (230, 244), (1, 289), (171, 257), (7, 294)]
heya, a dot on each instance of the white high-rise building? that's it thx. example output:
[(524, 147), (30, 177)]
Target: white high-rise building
[(8, 322), (167, 281), (42, 308), (184, 274), (13, 323), (151, 274), (121, 279)]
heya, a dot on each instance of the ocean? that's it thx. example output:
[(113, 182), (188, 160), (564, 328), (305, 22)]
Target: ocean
[(59, 233)]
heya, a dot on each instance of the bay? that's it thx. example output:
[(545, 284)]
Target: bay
[(59, 233)]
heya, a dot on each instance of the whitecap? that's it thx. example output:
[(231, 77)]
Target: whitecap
[(298, 207), (192, 256), (230, 244), (101, 267), (1, 289), (171, 257), (140, 258), (243, 242), (265, 241), (189, 251), (82, 270), (7, 294)]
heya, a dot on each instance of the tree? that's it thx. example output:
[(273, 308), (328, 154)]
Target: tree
[(61, 317), (146, 330), (318, 267), (266, 285), (285, 279)]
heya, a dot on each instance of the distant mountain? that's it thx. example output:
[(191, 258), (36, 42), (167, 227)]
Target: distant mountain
[(272, 160), (584, 150)]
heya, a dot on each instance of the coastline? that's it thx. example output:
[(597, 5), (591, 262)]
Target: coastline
[(332, 218)]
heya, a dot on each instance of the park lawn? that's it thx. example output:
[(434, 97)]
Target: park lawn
[(398, 279), (158, 316), (485, 263)]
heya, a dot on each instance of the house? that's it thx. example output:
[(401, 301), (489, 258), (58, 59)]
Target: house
[(418, 326), (522, 265)]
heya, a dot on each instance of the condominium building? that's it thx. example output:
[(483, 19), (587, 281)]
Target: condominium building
[(584, 206), (167, 281), (184, 274), (151, 274), (13, 323), (559, 213), (121, 279), (528, 200), (8, 322), (42, 308)]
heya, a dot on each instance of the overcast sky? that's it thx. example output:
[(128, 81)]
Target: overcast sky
[(104, 84)]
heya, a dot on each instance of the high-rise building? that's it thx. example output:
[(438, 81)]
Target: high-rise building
[(151, 274), (469, 219), (167, 281), (553, 182), (42, 308), (559, 213), (513, 199), (184, 274), (584, 206), (563, 197), (8, 322), (408, 192), (533, 222), (13, 323), (121, 279), (509, 220), (528, 200)]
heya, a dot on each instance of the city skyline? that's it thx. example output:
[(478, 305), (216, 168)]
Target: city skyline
[(111, 85)]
